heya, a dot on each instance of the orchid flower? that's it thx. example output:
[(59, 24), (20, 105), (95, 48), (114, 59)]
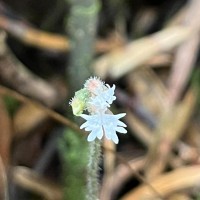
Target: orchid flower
[(96, 99)]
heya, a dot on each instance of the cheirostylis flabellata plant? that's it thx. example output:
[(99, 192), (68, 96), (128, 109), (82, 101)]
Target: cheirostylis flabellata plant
[(96, 98)]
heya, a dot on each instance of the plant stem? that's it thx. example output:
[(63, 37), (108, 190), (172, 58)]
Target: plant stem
[(93, 170), (82, 24)]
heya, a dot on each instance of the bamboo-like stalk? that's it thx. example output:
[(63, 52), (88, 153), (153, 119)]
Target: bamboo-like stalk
[(82, 28)]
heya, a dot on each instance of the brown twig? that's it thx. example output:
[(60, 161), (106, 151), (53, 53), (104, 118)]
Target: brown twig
[(14, 74), (119, 176), (30, 180), (179, 179), (133, 171), (5, 134), (139, 130), (149, 89), (186, 54), (168, 131), (4, 180), (54, 115), (34, 37), (122, 60)]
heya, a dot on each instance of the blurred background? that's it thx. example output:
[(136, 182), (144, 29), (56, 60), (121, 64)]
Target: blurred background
[(149, 49)]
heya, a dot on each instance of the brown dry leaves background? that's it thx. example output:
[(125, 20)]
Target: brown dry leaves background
[(150, 50)]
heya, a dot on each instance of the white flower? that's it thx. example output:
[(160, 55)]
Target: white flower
[(96, 97), (107, 94), (101, 123), (104, 97)]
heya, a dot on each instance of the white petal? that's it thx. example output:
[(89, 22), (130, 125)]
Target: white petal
[(104, 124), (107, 132), (119, 123), (108, 94), (121, 130), (84, 125), (114, 138), (91, 136), (100, 134), (118, 116), (85, 116)]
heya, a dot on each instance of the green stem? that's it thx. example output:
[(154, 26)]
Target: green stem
[(82, 29), (93, 170)]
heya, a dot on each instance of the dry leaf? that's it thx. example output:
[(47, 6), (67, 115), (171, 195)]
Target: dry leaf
[(166, 184)]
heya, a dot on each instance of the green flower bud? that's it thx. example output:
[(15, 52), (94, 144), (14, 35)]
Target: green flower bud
[(79, 101)]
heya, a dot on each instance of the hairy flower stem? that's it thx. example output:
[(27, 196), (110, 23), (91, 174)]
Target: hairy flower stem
[(93, 170)]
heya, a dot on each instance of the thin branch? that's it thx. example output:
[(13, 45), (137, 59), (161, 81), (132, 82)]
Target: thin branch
[(54, 115), (121, 61), (82, 27), (32, 181), (32, 36), (4, 180), (186, 54), (29, 35), (14, 74)]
